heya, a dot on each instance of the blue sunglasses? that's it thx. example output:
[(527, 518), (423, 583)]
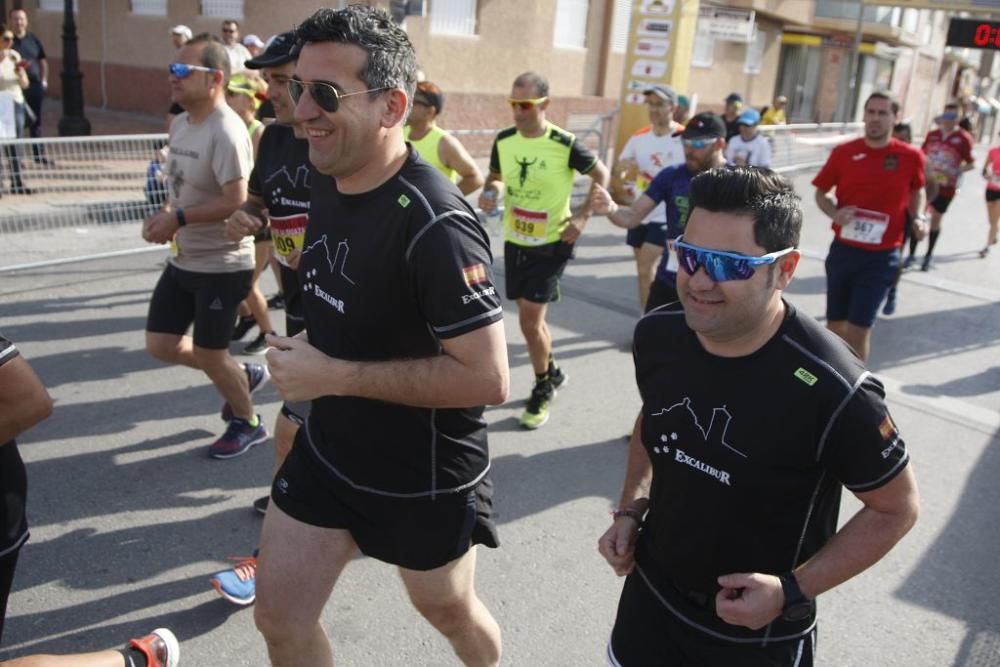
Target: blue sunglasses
[(721, 266), (182, 71), (698, 143)]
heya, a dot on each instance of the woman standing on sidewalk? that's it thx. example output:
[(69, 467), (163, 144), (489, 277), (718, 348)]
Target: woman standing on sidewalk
[(13, 80)]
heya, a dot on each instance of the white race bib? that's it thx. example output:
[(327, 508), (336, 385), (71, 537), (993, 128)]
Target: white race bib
[(672, 264), (866, 226)]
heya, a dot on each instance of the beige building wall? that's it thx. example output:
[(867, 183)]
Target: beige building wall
[(727, 73)]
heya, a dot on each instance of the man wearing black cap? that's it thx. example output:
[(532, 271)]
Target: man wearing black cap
[(646, 153), (704, 141), (441, 149), (278, 195)]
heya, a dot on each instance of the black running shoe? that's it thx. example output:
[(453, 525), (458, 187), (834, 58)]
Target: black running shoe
[(276, 302), (243, 326), (557, 376), (257, 346)]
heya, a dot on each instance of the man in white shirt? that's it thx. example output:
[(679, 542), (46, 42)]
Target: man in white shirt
[(646, 152), (238, 54), (749, 148)]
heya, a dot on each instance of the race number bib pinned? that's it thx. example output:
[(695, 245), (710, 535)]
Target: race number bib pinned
[(672, 263), (866, 226), (288, 234), (529, 227)]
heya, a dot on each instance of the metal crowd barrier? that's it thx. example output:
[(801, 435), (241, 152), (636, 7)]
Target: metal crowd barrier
[(84, 195)]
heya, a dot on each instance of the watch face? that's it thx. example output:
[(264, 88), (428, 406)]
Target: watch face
[(798, 611)]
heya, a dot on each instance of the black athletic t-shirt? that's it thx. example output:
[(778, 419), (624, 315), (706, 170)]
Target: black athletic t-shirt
[(13, 483), (749, 455), (387, 275), (31, 49), (280, 176)]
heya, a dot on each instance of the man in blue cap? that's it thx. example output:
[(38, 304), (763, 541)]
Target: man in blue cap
[(749, 148)]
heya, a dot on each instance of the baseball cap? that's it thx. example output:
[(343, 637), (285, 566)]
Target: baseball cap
[(662, 91), (702, 125), (253, 40), (683, 101), (182, 30), (748, 117), (281, 49), (734, 98), (241, 84)]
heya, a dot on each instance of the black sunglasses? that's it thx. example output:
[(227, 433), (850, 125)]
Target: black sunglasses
[(323, 93)]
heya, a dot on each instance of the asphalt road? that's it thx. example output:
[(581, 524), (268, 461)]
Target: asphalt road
[(130, 518)]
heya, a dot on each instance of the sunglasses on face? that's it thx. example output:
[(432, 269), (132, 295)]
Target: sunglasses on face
[(721, 266), (324, 94), (228, 30), (182, 71), (7, 38), (698, 143), (525, 105)]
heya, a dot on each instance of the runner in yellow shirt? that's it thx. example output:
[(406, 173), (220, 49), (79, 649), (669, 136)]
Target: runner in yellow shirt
[(534, 162), (437, 146)]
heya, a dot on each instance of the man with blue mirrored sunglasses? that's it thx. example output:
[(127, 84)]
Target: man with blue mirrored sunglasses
[(754, 418), (704, 142)]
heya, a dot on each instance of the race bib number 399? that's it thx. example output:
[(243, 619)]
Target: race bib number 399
[(866, 226)]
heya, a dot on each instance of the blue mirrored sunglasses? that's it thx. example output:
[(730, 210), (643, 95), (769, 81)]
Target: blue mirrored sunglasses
[(719, 265), (182, 71), (698, 143)]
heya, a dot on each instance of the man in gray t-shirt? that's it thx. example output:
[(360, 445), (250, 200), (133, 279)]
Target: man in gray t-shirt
[(207, 275)]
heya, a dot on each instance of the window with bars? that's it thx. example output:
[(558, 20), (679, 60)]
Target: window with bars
[(223, 9), (56, 5), (620, 25), (149, 7), (453, 17), (571, 23), (755, 52), (703, 54)]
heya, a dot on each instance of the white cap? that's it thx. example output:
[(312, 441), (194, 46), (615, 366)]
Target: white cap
[(181, 30), (253, 40)]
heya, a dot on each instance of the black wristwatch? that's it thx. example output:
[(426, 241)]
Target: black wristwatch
[(797, 606), (181, 219)]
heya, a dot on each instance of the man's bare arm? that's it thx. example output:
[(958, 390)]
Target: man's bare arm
[(24, 400), (454, 156)]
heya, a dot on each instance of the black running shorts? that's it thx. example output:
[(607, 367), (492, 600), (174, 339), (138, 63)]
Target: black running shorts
[(941, 203), (532, 273), (647, 634), (209, 300), (13, 521), (421, 533)]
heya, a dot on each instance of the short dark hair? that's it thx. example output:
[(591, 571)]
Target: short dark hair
[(951, 105), (765, 195), (214, 54), (231, 22), (900, 128), (883, 95), (432, 94), (535, 79), (391, 61)]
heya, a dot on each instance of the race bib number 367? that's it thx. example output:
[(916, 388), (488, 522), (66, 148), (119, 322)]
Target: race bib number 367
[(866, 226)]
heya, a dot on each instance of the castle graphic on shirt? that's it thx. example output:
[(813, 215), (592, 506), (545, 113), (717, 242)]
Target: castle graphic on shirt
[(686, 428)]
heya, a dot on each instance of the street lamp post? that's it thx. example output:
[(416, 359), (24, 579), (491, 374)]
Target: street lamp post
[(73, 123)]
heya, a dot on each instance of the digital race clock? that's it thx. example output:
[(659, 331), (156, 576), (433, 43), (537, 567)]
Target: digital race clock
[(974, 34)]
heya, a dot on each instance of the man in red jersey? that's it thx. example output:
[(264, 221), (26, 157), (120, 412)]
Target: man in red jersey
[(877, 179), (949, 153)]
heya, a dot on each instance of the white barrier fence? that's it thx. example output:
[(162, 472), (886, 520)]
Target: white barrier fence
[(82, 197)]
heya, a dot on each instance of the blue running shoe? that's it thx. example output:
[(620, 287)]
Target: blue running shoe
[(238, 584), (890, 302), (239, 437), (257, 376)]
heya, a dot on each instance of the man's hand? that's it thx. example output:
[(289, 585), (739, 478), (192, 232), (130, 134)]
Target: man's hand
[(241, 224), (600, 200), (617, 545), (844, 216), (160, 227), (488, 199), (752, 600), (573, 229), (299, 370)]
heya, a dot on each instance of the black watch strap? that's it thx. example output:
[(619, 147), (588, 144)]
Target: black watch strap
[(797, 606)]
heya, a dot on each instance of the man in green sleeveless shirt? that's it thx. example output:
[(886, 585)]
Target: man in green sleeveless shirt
[(534, 162), (438, 147)]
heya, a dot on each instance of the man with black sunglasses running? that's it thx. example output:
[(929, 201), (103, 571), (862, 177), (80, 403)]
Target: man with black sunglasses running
[(534, 164), (726, 525), (208, 275), (404, 346)]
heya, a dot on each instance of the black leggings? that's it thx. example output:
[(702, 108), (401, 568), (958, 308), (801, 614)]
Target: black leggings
[(7, 565)]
